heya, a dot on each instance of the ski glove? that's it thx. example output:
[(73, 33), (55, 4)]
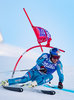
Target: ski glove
[(60, 85), (43, 69)]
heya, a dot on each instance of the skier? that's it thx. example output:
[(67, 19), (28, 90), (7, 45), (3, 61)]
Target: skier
[(42, 72)]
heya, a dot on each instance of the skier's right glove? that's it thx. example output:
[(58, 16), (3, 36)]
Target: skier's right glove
[(60, 85), (43, 69)]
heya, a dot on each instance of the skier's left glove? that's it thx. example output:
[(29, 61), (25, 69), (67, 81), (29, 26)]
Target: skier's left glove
[(60, 85)]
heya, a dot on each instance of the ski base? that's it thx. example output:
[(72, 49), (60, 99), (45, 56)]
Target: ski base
[(19, 89)]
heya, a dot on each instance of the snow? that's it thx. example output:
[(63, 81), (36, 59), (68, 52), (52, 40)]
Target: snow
[(8, 57), (1, 39)]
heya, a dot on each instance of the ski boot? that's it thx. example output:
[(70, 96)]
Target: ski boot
[(5, 83)]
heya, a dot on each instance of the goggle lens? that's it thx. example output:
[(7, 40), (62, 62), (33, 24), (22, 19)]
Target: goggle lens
[(55, 57)]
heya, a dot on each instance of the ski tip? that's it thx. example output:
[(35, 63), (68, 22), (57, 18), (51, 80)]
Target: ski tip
[(17, 89), (51, 92), (21, 90)]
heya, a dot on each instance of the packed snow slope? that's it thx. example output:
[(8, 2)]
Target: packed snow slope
[(8, 58)]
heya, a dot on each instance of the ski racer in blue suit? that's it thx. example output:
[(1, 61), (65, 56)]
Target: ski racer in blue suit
[(42, 72)]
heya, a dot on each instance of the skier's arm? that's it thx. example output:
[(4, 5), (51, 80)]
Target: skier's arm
[(41, 59), (60, 72)]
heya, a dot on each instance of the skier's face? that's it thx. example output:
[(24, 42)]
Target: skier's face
[(54, 60)]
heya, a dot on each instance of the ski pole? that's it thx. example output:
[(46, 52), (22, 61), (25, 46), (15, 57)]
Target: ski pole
[(16, 71), (23, 70)]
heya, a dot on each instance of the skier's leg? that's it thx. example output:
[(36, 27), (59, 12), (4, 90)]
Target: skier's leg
[(44, 79), (27, 77)]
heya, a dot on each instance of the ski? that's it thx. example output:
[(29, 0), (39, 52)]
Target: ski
[(51, 92), (11, 88), (20, 89)]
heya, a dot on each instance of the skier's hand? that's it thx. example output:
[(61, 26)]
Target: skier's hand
[(44, 70), (60, 85)]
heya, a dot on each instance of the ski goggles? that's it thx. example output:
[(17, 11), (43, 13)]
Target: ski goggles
[(55, 57)]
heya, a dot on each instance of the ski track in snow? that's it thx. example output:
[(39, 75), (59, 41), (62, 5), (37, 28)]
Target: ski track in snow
[(7, 63)]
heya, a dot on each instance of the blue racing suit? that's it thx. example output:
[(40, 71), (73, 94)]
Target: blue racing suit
[(40, 77)]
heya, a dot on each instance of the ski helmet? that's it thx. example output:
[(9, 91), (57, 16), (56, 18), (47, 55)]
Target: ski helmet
[(54, 52)]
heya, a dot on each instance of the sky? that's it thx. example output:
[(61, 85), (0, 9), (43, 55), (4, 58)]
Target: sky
[(57, 16)]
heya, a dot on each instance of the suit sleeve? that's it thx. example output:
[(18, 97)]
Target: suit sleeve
[(41, 59), (60, 72)]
